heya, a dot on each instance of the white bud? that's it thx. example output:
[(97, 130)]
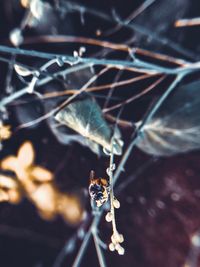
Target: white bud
[(37, 8), (116, 203), (113, 239), (75, 54), (111, 247), (121, 238), (121, 250), (117, 246), (82, 50), (112, 167), (16, 37), (109, 217)]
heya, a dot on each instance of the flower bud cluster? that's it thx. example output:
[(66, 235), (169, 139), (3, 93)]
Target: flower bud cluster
[(117, 239)]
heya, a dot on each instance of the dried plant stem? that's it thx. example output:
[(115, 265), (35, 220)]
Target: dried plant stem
[(99, 87), (133, 26), (131, 99), (133, 15), (9, 99), (137, 63), (105, 44), (110, 173)]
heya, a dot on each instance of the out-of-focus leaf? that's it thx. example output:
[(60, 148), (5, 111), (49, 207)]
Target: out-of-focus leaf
[(158, 20), (85, 117), (9, 163), (70, 209), (3, 196), (44, 199), (41, 175), (26, 154), (29, 111), (175, 127), (7, 182)]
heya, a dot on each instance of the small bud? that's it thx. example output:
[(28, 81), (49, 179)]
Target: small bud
[(111, 247), (121, 238), (114, 238), (16, 37), (116, 203), (37, 8), (82, 50), (121, 250), (108, 171), (109, 217), (112, 167), (75, 54), (117, 246)]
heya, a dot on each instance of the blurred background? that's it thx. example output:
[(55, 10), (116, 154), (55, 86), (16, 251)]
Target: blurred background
[(45, 210)]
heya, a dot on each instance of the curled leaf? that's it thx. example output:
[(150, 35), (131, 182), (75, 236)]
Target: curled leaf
[(85, 117)]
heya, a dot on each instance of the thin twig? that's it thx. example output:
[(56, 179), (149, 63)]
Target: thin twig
[(131, 99), (187, 22), (100, 255)]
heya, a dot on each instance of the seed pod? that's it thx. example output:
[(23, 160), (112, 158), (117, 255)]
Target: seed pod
[(121, 251), (109, 217), (116, 203), (111, 247)]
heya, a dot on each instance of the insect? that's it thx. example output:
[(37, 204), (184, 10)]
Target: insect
[(99, 189)]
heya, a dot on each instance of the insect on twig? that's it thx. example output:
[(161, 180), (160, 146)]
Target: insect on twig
[(101, 190)]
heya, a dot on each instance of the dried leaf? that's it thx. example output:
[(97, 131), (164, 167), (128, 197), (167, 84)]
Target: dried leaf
[(85, 117), (175, 127)]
